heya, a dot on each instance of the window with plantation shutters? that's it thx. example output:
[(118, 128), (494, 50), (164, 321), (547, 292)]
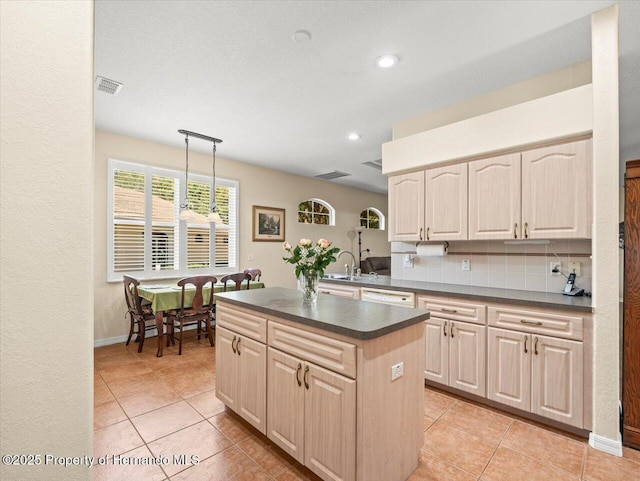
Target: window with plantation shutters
[(147, 239)]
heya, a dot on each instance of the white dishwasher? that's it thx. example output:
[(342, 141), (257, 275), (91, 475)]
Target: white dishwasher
[(393, 298)]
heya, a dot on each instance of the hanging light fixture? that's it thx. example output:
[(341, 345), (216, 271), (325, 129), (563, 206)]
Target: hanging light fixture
[(187, 213), (213, 215)]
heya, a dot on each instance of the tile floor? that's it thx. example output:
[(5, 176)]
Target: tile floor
[(149, 407)]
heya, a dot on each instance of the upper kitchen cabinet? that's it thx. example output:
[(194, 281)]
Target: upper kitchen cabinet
[(556, 191), (494, 198), (446, 203), (406, 207)]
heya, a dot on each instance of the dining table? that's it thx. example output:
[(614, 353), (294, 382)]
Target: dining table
[(165, 298)]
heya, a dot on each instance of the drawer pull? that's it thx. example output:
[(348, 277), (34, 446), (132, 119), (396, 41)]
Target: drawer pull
[(233, 344), (444, 328), (452, 311), (535, 346), (531, 323), (238, 346), (306, 371), (526, 338), (298, 374), (451, 330)]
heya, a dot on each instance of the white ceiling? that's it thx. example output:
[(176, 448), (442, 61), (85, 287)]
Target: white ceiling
[(229, 69)]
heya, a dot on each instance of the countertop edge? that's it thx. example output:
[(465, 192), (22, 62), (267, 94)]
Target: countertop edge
[(463, 295), (336, 329)]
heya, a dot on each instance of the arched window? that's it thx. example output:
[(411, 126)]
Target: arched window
[(372, 218), (316, 211)]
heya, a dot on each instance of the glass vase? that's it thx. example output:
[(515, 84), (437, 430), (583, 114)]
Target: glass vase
[(308, 284)]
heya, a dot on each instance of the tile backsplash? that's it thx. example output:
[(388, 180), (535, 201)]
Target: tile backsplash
[(496, 264)]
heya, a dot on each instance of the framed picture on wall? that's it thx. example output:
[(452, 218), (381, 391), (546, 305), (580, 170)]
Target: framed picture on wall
[(268, 224)]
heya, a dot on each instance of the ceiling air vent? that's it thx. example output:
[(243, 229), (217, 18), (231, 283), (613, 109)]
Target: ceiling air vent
[(336, 174), (374, 164), (108, 86)]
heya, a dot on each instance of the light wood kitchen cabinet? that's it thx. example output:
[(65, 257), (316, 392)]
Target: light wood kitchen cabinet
[(347, 292), (241, 382), (535, 373), (446, 203), (455, 351), (557, 191), (406, 207), (494, 198)]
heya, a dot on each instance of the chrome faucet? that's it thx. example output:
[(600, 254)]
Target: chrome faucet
[(353, 263)]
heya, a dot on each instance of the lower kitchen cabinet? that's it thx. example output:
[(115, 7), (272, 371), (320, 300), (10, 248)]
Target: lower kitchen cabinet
[(241, 375), (539, 374), (339, 291), (312, 415), (455, 354)]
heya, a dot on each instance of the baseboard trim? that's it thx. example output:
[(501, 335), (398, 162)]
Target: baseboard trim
[(110, 340), (605, 445)]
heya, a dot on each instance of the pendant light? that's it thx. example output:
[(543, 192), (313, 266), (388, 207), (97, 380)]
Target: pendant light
[(213, 215), (186, 213)]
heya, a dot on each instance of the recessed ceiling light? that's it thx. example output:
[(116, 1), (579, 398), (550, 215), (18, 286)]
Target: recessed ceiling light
[(301, 36), (386, 61), (354, 136)]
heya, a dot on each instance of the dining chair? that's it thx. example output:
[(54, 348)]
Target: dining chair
[(254, 272), (237, 278), (201, 310), (139, 314)]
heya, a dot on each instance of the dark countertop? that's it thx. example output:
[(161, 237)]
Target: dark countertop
[(359, 320), (487, 294)]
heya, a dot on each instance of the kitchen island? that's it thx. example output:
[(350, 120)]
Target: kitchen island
[(337, 384)]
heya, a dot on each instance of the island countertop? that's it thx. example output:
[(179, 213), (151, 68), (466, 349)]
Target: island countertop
[(348, 317)]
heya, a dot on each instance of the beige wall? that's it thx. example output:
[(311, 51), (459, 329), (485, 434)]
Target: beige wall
[(46, 356), (258, 186)]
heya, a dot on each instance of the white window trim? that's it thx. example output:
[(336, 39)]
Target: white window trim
[(148, 272), (332, 211), (380, 217)]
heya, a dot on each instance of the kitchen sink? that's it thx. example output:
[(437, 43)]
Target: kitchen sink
[(337, 276)]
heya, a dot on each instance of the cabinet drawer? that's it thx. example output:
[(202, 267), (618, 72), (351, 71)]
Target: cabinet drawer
[(242, 322), (539, 321), (335, 355), (339, 291), (453, 309)]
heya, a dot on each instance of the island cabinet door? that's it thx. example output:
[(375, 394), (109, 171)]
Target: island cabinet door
[(226, 368), (557, 380), (436, 337), (509, 379), (330, 424), (467, 354), (251, 384), (285, 398)]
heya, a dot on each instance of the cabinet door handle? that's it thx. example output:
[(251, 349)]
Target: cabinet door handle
[(232, 344), (452, 311), (421, 229), (531, 323), (427, 233), (298, 374), (238, 345), (444, 328), (451, 330), (526, 227), (535, 346), (526, 338), (306, 372), (515, 230)]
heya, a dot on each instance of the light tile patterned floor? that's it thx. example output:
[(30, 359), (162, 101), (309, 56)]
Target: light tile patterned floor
[(147, 407)]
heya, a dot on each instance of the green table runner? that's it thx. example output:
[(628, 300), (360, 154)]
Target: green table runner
[(165, 298)]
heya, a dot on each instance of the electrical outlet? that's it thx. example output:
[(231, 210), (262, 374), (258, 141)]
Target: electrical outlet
[(397, 370), (251, 257), (466, 265), (575, 268), (555, 268)]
